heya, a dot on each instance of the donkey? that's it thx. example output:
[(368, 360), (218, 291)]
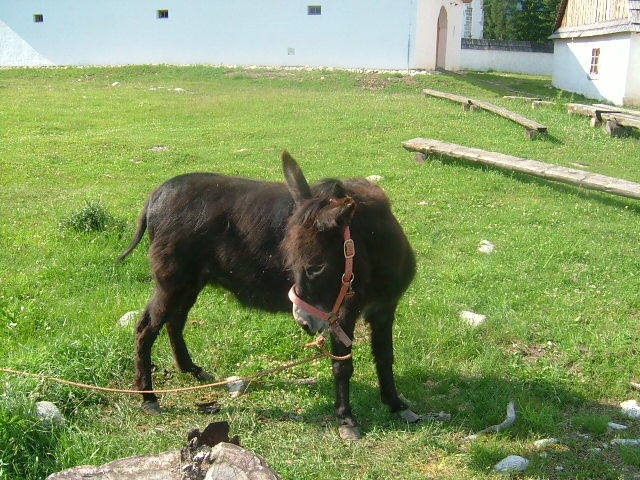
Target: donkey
[(333, 240)]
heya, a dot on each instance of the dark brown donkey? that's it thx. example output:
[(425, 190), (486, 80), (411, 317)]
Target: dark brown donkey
[(256, 239)]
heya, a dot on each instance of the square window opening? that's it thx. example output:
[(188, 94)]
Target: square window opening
[(163, 13), (314, 10), (38, 18), (595, 61)]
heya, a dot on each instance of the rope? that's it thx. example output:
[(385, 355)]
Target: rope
[(319, 343)]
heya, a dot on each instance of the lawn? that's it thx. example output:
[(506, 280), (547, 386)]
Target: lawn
[(561, 291)]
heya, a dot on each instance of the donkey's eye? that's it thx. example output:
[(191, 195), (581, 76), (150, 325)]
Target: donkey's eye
[(313, 270)]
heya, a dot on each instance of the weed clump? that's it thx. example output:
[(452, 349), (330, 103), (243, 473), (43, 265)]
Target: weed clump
[(91, 217)]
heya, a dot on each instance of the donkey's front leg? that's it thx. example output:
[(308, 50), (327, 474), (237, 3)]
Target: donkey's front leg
[(342, 371), (381, 322)]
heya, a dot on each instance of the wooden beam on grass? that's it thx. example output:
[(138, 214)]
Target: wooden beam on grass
[(626, 111), (532, 129), (549, 171), (613, 120)]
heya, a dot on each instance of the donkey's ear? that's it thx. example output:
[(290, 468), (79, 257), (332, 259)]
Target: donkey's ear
[(337, 214), (298, 186)]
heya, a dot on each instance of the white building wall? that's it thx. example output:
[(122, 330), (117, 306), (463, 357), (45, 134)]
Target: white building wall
[(572, 62), (426, 33), (534, 63), (632, 93), (356, 33)]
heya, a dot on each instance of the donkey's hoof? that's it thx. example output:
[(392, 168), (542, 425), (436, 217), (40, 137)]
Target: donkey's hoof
[(349, 432), (203, 375), (151, 407), (409, 416)]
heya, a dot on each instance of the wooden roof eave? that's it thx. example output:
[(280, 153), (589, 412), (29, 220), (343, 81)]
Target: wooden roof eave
[(595, 29)]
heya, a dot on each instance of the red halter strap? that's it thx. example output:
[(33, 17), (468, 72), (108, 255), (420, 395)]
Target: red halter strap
[(346, 291)]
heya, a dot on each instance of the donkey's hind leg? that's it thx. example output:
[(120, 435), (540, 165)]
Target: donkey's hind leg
[(168, 306)]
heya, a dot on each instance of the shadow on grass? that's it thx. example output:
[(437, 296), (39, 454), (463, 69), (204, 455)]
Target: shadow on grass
[(602, 197), (544, 409)]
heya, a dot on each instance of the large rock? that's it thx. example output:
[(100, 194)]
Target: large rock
[(208, 455), (163, 466)]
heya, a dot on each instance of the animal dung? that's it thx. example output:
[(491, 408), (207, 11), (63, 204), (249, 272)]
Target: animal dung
[(472, 318), (237, 387), (512, 463), (630, 408), (486, 246), (375, 178)]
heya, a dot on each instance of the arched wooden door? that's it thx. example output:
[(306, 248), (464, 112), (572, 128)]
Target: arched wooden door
[(441, 43)]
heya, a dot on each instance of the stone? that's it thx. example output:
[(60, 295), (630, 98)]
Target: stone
[(512, 463), (625, 441), (231, 462), (472, 318), (543, 442), (178, 89), (617, 426), (375, 178), (49, 413), (486, 247), (163, 466), (630, 408), (128, 318), (237, 387), (115, 84)]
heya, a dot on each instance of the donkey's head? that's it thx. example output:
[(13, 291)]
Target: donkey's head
[(313, 245)]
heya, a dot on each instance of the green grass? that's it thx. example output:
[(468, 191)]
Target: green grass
[(561, 292)]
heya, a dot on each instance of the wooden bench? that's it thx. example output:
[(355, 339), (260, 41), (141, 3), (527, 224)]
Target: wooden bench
[(549, 171), (532, 129), (614, 120)]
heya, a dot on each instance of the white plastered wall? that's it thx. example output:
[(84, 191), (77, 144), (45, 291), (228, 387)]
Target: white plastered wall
[(356, 33), (632, 93), (424, 48), (572, 61), (534, 63)]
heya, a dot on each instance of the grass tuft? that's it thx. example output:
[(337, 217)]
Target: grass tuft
[(93, 216)]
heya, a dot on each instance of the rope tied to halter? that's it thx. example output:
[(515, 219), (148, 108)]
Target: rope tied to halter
[(318, 342)]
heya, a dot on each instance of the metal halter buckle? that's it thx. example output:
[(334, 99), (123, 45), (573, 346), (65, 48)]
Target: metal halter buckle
[(349, 249)]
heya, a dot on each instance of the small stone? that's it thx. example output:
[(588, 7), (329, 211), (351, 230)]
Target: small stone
[(595, 450), (375, 178), (423, 203), (178, 89), (128, 318), (625, 441), (617, 426), (237, 387), (630, 408), (486, 247), (158, 148), (242, 150), (115, 84), (294, 417), (545, 441), (472, 318), (560, 468), (49, 413), (512, 463), (585, 436)]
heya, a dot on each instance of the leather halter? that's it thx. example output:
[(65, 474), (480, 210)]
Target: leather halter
[(349, 251)]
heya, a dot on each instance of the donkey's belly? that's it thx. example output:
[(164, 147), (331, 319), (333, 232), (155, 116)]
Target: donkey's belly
[(262, 290)]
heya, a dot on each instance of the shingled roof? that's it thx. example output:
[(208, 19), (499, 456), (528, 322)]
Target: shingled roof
[(587, 20)]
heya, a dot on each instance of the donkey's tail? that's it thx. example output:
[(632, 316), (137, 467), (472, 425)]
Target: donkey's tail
[(142, 226)]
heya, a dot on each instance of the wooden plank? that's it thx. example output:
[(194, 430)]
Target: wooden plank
[(525, 99), (622, 119), (531, 127), (588, 110), (618, 109), (549, 171)]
